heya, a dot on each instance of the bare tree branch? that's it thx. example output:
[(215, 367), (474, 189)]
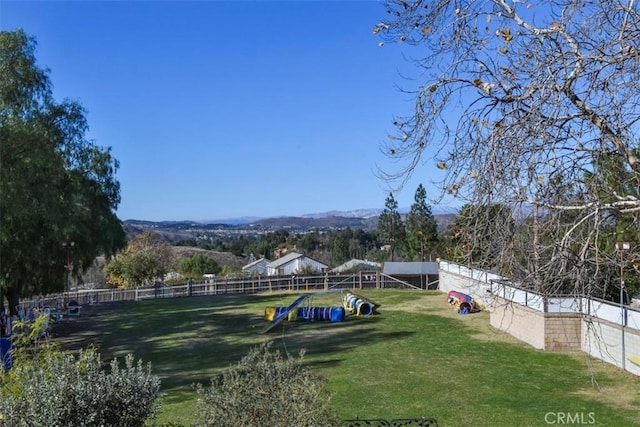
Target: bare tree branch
[(534, 108)]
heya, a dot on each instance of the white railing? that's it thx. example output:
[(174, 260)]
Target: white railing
[(502, 288), (565, 305)]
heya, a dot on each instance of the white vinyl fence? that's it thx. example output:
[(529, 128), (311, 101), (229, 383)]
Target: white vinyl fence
[(611, 332)]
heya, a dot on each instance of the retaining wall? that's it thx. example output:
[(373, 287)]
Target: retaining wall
[(554, 324)]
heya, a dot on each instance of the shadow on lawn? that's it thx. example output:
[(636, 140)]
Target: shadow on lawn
[(188, 340)]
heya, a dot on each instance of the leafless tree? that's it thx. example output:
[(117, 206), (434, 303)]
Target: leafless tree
[(532, 107)]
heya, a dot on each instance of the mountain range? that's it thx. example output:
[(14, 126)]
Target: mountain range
[(173, 231), (355, 213)]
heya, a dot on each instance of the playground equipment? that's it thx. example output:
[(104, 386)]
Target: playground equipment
[(294, 313), (464, 303), (25, 319), (73, 308), (359, 305), (6, 359), (304, 314), (301, 314)]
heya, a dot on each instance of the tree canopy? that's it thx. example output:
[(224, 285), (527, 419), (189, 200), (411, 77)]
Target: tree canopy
[(145, 259), (390, 226), (421, 228), (533, 107), (56, 186), (196, 266)]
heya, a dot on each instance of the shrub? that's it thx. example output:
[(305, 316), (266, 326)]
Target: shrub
[(264, 389), (54, 388)]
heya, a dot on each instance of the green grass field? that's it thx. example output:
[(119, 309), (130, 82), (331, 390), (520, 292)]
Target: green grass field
[(416, 358)]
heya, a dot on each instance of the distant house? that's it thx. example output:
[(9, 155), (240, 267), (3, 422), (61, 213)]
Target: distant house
[(423, 275), (294, 263), (357, 265), (256, 267)]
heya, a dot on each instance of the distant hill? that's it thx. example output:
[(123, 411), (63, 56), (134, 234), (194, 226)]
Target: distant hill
[(375, 212), (166, 232), (176, 231), (221, 258), (359, 214), (310, 223), (334, 222)]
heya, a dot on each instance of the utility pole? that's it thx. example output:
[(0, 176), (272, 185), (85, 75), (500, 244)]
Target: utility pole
[(68, 246), (621, 247)]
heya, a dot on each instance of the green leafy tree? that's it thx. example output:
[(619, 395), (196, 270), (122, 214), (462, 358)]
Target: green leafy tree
[(339, 251), (268, 243), (145, 259), (421, 228), (608, 173), (228, 271), (261, 247), (308, 242), (56, 185), (196, 266), (390, 226)]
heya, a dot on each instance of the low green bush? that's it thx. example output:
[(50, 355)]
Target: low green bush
[(54, 388), (265, 389)]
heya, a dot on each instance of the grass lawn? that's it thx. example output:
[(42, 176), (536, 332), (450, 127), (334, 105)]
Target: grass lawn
[(417, 358)]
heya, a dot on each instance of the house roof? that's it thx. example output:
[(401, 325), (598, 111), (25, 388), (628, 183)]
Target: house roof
[(356, 263), (254, 263), (290, 257), (408, 268), (285, 259)]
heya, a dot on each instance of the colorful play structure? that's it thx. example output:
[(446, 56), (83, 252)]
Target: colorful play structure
[(297, 312), (465, 304), (359, 305)]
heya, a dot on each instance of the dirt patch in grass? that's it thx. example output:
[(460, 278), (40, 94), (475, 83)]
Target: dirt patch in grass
[(618, 391), (620, 396)]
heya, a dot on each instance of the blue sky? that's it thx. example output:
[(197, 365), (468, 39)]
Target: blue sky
[(220, 109)]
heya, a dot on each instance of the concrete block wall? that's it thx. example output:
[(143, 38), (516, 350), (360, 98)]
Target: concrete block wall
[(559, 331), (632, 347), (519, 321), (544, 331), (562, 332), (603, 340)]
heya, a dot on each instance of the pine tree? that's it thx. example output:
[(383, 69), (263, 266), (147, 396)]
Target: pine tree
[(390, 226), (421, 228)]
